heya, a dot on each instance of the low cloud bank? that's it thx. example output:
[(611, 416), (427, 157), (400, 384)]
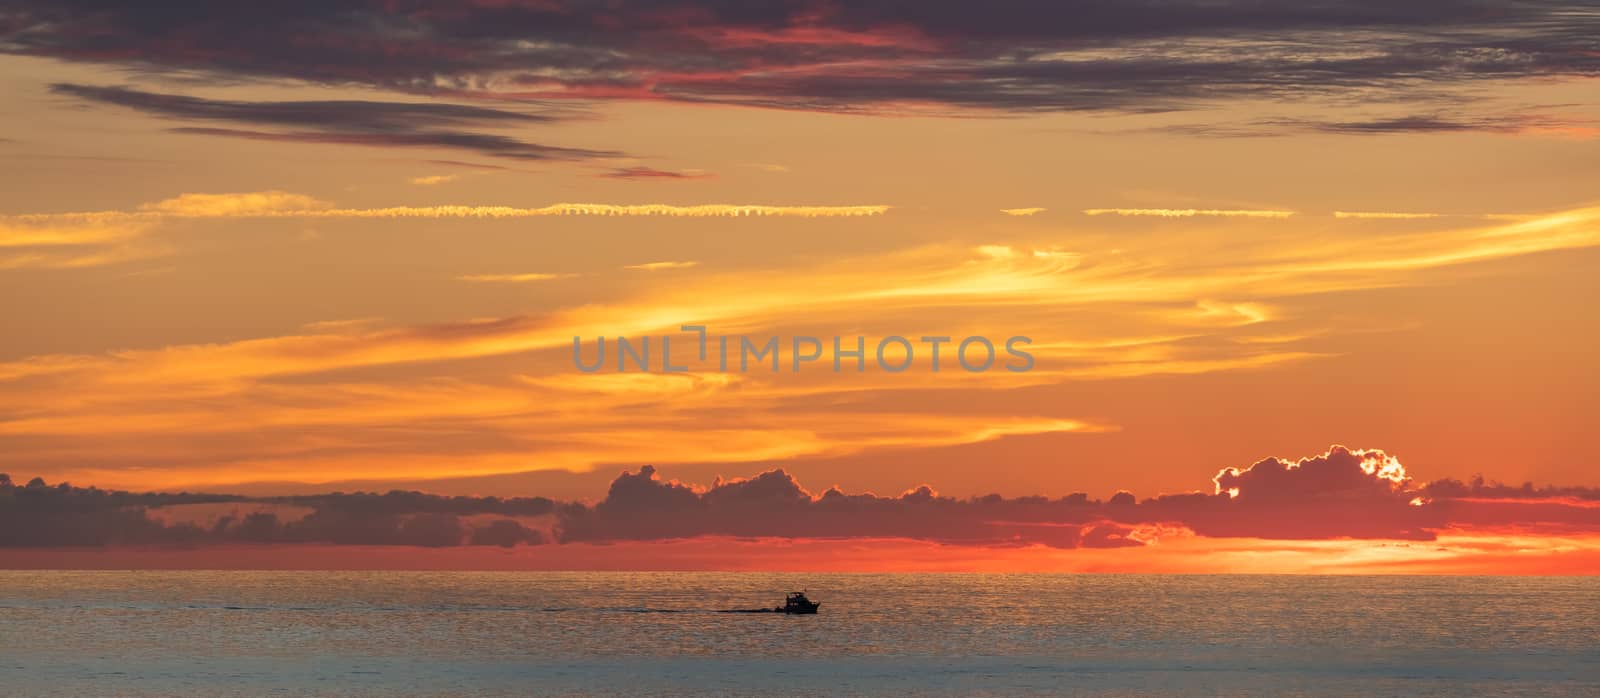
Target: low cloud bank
[(1340, 494)]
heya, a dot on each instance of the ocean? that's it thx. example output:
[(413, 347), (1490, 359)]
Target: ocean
[(208, 633)]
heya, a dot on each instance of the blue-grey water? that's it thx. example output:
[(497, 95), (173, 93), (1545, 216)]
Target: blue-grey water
[(512, 633)]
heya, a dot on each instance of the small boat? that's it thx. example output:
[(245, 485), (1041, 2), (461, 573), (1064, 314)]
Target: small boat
[(798, 603)]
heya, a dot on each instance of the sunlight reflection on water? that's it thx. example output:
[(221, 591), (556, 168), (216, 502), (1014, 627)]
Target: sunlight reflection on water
[(248, 633)]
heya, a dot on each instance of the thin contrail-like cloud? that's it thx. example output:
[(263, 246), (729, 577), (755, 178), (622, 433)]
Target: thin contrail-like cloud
[(1021, 211), (1388, 215), (565, 209), (1401, 215), (275, 204), (113, 235), (658, 266), (1186, 212), (512, 278)]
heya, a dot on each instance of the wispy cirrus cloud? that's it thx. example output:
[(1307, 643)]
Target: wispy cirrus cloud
[(1022, 211), (78, 256), (75, 241)]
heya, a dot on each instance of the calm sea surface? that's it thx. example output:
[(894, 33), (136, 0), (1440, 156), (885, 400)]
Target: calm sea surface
[(512, 633)]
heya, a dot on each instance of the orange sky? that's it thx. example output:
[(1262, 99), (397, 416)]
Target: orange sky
[(342, 347), (1455, 555), (248, 274)]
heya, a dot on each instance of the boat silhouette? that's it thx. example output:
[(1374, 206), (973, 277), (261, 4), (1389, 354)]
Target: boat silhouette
[(797, 602)]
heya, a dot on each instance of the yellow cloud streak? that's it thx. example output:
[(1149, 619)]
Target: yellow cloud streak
[(925, 277), (1571, 229), (67, 233), (1186, 212), (162, 395), (434, 179), (235, 205), (514, 427)]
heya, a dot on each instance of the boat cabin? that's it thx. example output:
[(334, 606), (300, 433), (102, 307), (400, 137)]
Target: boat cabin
[(797, 602)]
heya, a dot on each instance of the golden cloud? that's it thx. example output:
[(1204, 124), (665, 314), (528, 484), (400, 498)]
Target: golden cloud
[(288, 406)]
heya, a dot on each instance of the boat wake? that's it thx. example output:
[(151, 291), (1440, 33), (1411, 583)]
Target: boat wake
[(795, 602), (661, 610)]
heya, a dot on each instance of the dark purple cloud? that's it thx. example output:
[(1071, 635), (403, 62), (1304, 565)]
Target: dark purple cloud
[(1018, 55), (349, 122), (353, 115), (641, 506), (485, 143), (1505, 123), (39, 515), (652, 173)]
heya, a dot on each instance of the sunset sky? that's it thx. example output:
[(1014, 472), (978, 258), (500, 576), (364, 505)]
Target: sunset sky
[(288, 249)]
